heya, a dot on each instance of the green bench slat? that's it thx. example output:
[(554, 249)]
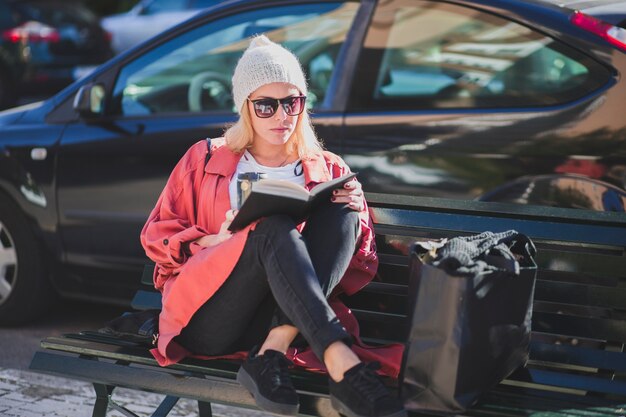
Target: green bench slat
[(550, 323), (146, 300), (549, 298), (579, 356), (607, 267), (580, 382), (585, 295), (599, 329), (457, 223), (511, 400)]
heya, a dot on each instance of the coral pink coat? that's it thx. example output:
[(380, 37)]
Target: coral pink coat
[(193, 204)]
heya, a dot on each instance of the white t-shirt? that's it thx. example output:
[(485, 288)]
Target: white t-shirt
[(292, 172)]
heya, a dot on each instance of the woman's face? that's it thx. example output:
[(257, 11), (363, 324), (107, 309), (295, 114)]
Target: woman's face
[(278, 128)]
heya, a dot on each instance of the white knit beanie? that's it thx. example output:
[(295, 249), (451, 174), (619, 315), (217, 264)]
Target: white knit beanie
[(265, 62)]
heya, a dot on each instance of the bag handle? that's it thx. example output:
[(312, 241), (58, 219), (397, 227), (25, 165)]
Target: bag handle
[(524, 246)]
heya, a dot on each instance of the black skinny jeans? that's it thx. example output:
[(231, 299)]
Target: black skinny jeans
[(282, 277)]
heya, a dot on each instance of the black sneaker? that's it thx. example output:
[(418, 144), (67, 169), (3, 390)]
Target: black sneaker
[(361, 393), (267, 378)]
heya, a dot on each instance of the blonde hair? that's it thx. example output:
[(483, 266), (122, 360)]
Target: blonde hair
[(303, 140)]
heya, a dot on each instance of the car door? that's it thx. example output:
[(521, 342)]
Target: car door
[(162, 100), (455, 102)]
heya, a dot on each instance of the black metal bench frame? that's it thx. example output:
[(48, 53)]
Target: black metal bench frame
[(577, 361)]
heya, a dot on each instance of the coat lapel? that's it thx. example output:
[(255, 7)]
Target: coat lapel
[(315, 170)]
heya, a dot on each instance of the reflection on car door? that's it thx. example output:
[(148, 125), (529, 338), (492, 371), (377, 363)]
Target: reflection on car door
[(112, 171), (467, 103)]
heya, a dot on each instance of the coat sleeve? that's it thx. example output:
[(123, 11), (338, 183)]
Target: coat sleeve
[(171, 223), (364, 263)]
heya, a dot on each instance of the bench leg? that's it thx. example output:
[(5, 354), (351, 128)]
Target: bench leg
[(103, 395), (204, 409), (121, 409), (104, 402), (166, 406)]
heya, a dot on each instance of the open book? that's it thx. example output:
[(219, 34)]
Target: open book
[(269, 197)]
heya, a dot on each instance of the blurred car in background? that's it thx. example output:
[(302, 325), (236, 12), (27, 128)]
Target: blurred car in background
[(148, 18), (61, 39), (506, 101)]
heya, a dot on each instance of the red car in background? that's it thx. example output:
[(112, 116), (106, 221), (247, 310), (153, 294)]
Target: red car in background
[(60, 40)]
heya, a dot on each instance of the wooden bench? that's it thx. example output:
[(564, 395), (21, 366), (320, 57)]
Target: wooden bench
[(577, 365)]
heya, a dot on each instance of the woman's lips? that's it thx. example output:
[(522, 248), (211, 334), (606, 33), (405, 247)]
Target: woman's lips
[(280, 129)]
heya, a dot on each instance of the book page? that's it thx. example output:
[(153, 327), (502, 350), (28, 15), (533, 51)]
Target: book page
[(280, 187)]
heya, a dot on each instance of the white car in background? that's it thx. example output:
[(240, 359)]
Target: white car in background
[(147, 18)]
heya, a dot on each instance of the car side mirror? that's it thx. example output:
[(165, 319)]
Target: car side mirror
[(89, 100)]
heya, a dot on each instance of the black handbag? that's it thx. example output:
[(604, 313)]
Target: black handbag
[(470, 317), (140, 327)]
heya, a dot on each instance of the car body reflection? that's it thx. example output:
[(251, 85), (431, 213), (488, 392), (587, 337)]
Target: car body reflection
[(561, 190)]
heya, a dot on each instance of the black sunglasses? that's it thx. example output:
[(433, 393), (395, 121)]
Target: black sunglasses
[(266, 107)]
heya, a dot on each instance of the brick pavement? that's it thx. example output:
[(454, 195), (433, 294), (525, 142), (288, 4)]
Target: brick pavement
[(30, 394)]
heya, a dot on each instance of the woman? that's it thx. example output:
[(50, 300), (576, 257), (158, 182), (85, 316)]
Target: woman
[(225, 292)]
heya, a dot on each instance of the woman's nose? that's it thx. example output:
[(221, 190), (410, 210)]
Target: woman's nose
[(281, 114)]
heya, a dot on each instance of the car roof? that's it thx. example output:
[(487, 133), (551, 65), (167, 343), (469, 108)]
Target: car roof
[(610, 11)]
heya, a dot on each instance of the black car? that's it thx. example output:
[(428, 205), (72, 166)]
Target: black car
[(64, 40), (509, 102)]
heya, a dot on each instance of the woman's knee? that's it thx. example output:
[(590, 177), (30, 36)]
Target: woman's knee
[(339, 218), (275, 225)]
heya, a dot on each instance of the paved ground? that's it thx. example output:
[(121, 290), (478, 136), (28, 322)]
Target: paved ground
[(29, 394), (18, 344)]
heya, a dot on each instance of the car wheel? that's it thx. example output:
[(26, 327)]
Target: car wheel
[(25, 289)]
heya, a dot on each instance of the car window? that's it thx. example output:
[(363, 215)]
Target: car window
[(160, 6), (192, 73), (464, 58)]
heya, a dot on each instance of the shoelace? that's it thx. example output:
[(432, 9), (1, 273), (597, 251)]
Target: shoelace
[(278, 369), (368, 382)]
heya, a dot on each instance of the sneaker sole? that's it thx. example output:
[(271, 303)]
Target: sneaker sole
[(263, 402), (344, 410)]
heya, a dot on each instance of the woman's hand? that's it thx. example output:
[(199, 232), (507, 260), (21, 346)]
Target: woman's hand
[(222, 235), (351, 194)]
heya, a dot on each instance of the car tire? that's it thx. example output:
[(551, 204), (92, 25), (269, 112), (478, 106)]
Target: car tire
[(25, 288)]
